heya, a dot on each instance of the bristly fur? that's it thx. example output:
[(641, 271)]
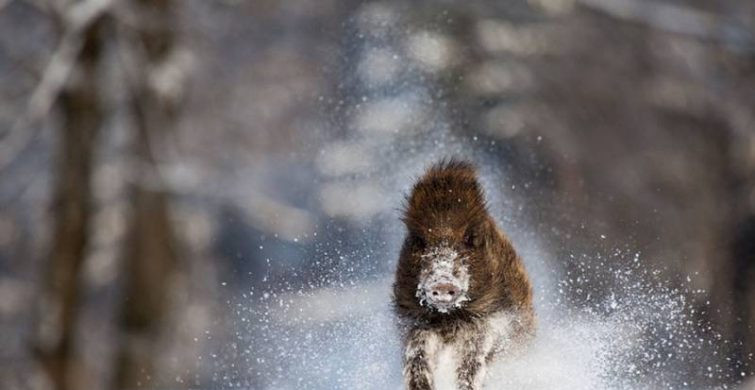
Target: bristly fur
[(447, 207), (443, 187)]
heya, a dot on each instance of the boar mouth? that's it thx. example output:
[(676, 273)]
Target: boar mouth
[(443, 308)]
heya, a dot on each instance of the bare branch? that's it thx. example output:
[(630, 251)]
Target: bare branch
[(667, 17), (78, 18)]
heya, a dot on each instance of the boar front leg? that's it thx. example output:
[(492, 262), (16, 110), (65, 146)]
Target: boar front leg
[(472, 363), (419, 359)]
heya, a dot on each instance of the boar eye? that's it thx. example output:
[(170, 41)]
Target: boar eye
[(471, 239)]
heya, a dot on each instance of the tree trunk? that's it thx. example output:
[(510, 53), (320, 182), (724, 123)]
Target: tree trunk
[(149, 255), (81, 111)]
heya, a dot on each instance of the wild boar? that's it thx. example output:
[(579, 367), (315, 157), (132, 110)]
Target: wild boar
[(459, 283)]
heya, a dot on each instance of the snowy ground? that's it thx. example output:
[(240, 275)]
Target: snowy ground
[(343, 337)]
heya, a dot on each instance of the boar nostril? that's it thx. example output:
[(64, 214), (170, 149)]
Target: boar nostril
[(444, 291)]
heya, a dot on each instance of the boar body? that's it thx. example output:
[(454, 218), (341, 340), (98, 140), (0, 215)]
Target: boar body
[(459, 283)]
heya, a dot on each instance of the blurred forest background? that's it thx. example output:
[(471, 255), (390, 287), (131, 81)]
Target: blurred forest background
[(159, 158)]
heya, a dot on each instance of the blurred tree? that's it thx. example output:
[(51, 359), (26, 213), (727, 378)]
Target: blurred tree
[(150, 251), (81, 109)]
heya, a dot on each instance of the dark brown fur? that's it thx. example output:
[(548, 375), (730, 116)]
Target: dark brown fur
[(447, 206)]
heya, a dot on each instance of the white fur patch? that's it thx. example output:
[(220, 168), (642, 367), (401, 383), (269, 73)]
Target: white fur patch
[(445, 371)]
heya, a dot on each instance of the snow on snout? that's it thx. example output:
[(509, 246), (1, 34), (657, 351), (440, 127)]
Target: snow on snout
[(444, 267)]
